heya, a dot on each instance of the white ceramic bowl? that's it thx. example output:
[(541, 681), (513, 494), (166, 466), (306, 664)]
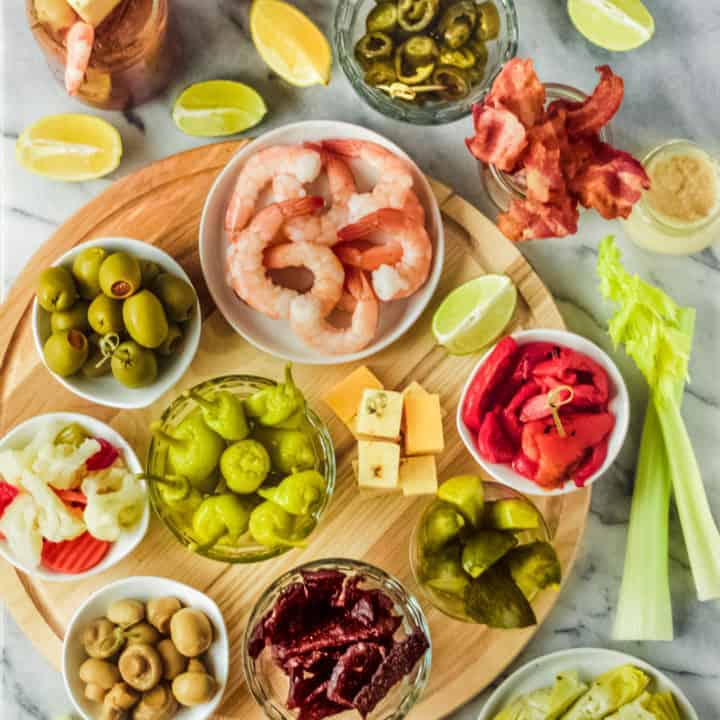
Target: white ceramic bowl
[(21, 435), (143, 588), (274, 336), (589, 662), (106, 390), (619, 406)]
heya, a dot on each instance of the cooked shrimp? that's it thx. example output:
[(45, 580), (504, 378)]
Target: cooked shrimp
[(322, 229), (394, 188), (79, 42), (308, 322), (246, 272), (399, 279), (366, 256), (301, 163), (328, 272)]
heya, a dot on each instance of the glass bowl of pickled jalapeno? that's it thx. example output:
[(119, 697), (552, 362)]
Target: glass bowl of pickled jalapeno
[(424, 61), (240, 469), (482, 553)]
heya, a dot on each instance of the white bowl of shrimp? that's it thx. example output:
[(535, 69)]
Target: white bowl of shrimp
[(321, 242)]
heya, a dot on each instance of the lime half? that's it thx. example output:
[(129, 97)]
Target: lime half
[(474, 314), (70, 147), (218, 107), (612, 24)]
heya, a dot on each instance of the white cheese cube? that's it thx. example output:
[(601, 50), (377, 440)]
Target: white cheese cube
[(380, 414), (378, 464)]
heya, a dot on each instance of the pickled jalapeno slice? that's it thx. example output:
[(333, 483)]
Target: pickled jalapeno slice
[(373, 46), (454, 80), (457, 23), (380, 72), (420, 50), (382, 18), (462, 58), (488, 21), (416, 15), (409, 73), (480, 50)]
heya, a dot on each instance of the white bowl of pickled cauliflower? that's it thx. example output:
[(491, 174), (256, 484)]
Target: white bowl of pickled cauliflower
[(71, 502)]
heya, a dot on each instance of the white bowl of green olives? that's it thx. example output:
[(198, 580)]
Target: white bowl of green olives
[(178, 660), (116, 321)]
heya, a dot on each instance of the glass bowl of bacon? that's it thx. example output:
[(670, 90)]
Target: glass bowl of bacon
[(544, 412), (336, 637), (437, 96), (72, 504), (545, 150)]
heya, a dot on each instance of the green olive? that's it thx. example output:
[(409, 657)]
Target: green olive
[(86, 271), (65, 352), (177, 296), (172, 341), (133, 366), (76, 317), (149, 270), (105, 315), (120, 275), (56, 289), (145, 319)]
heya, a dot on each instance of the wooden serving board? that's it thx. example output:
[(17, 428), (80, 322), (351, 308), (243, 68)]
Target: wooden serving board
[(161, 204)]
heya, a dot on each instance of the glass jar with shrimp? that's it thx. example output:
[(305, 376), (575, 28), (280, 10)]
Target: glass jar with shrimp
[(111, 54)]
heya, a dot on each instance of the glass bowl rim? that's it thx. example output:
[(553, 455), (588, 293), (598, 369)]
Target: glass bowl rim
[(432, 114), (409, 603), (324, 438)]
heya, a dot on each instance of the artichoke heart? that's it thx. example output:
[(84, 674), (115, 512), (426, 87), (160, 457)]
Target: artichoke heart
[(663, 706), (533, 706), (636, 710), (567, 689)]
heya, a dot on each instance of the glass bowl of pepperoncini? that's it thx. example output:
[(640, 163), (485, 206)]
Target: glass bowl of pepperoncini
[(240, 469), (424, 61)]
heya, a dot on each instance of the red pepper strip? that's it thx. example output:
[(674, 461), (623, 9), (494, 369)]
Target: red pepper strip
[(524, 395), (488, 377), (74, 556), (524, 466), (8, 493), (492, 441), (531, 355), (71, 497), (584, 397), (568, 365), (103, 458), (592, 463)]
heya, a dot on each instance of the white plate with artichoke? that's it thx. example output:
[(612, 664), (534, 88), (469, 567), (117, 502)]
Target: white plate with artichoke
[(588, 684)]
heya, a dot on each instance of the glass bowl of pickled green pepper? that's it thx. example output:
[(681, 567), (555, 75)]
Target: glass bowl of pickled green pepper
[(424, 61), (240, 469), (482, 553)]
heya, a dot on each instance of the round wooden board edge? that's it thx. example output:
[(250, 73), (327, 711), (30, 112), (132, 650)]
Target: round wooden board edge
[(15, 592)]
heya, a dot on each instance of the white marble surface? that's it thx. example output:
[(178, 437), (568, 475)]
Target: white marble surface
[(672, 90)]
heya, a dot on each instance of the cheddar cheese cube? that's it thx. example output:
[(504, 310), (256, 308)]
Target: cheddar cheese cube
[(378, 464), (380, 414), (422, 423), (418, 475), (344, 398)]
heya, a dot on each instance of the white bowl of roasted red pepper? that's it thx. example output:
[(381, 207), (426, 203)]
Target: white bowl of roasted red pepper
[(544, 412)]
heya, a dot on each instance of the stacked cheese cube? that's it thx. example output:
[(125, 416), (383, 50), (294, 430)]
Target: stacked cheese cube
[(398, 434)]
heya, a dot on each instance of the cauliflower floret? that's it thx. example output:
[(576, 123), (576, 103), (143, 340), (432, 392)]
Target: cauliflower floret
[(115, 502), (57, 522), (11, 466), (63, 465), (19, 524)]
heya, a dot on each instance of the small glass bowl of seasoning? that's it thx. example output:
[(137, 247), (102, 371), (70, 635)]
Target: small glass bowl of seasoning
[(424, 62), (680, 213)]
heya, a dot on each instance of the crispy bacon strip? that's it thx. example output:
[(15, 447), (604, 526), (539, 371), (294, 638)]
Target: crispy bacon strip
[(528, 220), (588, 117), (518, 89), (611, 183), (500, 138), (544, 175)]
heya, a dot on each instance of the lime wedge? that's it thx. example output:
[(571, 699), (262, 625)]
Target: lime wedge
[(474, 314), (612, 24), (290, 43), (218, 107), (69, 147)]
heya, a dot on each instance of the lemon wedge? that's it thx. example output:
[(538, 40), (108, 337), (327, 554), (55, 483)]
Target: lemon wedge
[(290, 43), (618, 25), (69, 147), (218, 107)]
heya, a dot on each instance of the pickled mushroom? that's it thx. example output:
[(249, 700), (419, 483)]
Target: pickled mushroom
[(126, 612), (102, 639), (95, 693), (142, 633), (191, 632), (534, 567), (99, 672), (141, 667), (495, 600), (121, 697), (158, 704), (160, 612), (174, 662), (193, 688)]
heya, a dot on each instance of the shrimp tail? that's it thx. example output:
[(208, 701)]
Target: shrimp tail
[(385, 217), (358, 285), (301, 206), (345, 147), (369, 258), (79, 41)]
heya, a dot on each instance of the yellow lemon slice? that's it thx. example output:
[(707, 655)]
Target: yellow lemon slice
[(70, 147), (218, 107), (290, 43)]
